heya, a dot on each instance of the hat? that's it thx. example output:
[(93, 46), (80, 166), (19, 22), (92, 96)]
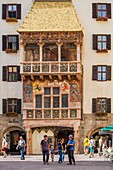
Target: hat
[(70, 136), (91, 137)]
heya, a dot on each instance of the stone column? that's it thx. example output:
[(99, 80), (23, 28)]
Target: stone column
[(29, 141), (59, 50), (22, 52), (78, 52), (76, 138)]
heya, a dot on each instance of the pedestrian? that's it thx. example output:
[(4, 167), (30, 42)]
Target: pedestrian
[(86, 145), (70, 149), (63, 148), (3, 150), (100, 145), (21, 147), (52, 152), (6, 148), (91, 146), (45, 149), (59, 146)]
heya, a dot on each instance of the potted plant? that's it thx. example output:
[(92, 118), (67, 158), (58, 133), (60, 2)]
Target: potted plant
[(11, 19)]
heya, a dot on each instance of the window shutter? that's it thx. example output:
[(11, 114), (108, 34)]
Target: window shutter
[(18, 11), (94, 105), (94, 42), (4, 73), (4, 40), (109, 42), (4, 6), (18, 105), (94, 72), (17, 42), (94, 10), (18, 74), (108, 105), (109, 10), (4, 105), (108, 72)]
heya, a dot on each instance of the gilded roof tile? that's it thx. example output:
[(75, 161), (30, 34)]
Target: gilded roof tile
[(51, 16)]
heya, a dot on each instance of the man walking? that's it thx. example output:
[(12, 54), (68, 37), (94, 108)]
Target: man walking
[(21, 147), (71, 148), (86, 145), (45, 149)]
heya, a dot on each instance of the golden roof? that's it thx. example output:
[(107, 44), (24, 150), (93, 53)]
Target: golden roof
[(49, 17)]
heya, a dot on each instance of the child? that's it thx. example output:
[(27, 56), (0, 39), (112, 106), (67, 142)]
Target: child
[(52, 152)]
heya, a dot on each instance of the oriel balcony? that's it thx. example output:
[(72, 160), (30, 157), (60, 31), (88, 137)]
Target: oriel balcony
[(51, 59)]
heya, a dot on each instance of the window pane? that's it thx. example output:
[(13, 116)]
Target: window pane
[(99, 38), (104, 14), (99, 45), (99, 68), (103, 68), (99, 7), (10, 69), (55, 102), (56, 90), (39, 101), (47, 102), (47, 91), (103, 76), (14, 69), (9, 7), (10, 38), (99, 76), (104, 7), (14, 7), (104, 45), (65, 100), (99, 14), (104, 38)]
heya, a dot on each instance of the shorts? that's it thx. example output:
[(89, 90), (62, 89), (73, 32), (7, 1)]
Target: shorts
[(91, 149), (86, 147)]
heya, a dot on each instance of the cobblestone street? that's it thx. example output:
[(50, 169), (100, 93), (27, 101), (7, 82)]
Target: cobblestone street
[(35, 162)]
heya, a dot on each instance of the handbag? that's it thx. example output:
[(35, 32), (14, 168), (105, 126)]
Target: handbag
[(18, 147)]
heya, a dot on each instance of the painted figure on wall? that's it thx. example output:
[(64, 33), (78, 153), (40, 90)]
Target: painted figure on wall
[(74, 93), (27, 92)]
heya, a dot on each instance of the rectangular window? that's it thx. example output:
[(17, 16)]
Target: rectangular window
[(12, 42), (55, 102), (102, 42), (101, 105), (47, 91), (64, 100), (12, 73), (12, 105), (47, 102), (102, 73), (55, 90), (102, 10), (39, 101), (12, 11)]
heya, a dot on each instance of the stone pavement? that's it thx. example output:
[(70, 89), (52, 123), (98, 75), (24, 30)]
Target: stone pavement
[(35, 163), (78, 157)]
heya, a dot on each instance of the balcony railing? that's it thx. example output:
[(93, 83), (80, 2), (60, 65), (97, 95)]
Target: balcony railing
[(51, 114), (51, 67)]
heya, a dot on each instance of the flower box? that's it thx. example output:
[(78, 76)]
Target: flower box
[(102, 51), (102, 19), (12, 114), (10, 51), (101, 114), (11, 19)]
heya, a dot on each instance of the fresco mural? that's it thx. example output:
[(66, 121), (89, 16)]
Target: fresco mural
[(74, 93), (27, 92)]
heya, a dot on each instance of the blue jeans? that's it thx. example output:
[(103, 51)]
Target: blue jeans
[(22, 153), (60, 155)]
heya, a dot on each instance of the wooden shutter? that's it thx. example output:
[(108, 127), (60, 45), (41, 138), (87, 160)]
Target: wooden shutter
[(17, 42), (109, 10), (108, 105), (4, 41), (4, 8), (94, 10), (18, 11), (18, 105), (94, 105), (108, 72), (4, 105), (109, 42), (4, 73), (94, 72), (95, 42), (18, 74)]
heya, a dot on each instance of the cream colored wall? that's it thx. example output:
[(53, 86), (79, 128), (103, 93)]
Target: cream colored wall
[(93, 89), (10, 89), (36, 139)]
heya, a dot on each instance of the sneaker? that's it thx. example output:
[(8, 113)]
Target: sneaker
[(69, 164), (47, 163)]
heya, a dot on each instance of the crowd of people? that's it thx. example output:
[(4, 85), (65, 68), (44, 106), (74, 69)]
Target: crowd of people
[(62, 148)]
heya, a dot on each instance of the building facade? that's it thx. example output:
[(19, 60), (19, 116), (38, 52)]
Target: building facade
[(56, 77)]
